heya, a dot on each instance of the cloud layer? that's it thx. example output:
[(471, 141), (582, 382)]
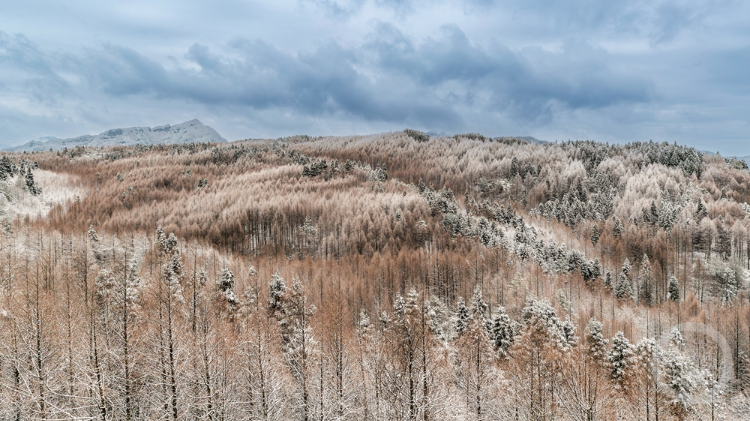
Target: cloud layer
[(613, 71)]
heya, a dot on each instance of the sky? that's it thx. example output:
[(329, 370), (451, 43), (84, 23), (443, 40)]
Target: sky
[(612, 71)]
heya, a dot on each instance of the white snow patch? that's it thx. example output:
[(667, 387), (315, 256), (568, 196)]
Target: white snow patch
[(16, 201)]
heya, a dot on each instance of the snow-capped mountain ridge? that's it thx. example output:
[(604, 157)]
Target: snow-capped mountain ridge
[(188, 132)]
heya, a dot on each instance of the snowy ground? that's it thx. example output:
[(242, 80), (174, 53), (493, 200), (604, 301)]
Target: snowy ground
[(15, 199)]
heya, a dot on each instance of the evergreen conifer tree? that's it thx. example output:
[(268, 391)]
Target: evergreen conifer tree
[(618, 228), (673, 289), (626, 267), (623, 289), (595, 234), (463, 316), (620, 360), (596, 345), (502, 332), (30, 184), (225, 285)]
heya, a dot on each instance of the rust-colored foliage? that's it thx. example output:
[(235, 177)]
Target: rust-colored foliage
[(332, 278)]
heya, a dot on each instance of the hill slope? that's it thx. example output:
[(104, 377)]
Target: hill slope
[(485, 264), (188, 132)]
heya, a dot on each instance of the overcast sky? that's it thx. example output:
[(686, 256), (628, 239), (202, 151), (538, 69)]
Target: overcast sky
[(614, 71)]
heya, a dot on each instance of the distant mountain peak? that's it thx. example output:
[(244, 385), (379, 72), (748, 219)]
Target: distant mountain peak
[(188, 132)]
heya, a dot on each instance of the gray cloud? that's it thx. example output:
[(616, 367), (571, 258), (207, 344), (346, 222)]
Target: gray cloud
[(389, 78), (341, 8), (613, 71), (30, 70), (658, 20), (528, 83)]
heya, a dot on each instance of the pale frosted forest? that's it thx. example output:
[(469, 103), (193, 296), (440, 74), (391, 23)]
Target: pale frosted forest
[(385, 277)]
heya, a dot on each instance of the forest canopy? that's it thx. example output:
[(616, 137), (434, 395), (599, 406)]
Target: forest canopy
[(395, 276)]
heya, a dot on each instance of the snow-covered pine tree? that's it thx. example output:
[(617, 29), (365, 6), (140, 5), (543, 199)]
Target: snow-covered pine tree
[(478, 307), (6, 168), (225, 285), (502, 332), (683, 381), (676, 339), (514, 167), (541, 317), (595, 234), (618, 228), (276, 291), (668, 214), (173, 274), (701, 212), (596, 345), (626, 267), (439, 318), (172, 264), (30, 184), (620, 361), (623, 289), (462, 316)]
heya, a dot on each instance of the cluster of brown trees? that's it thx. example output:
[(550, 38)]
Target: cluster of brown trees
[(380, 277), (145, 327)]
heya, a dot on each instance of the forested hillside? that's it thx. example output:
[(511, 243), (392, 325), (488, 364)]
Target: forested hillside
[(388, 277)]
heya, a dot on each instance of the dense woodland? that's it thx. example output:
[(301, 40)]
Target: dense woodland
[(385, 277)]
